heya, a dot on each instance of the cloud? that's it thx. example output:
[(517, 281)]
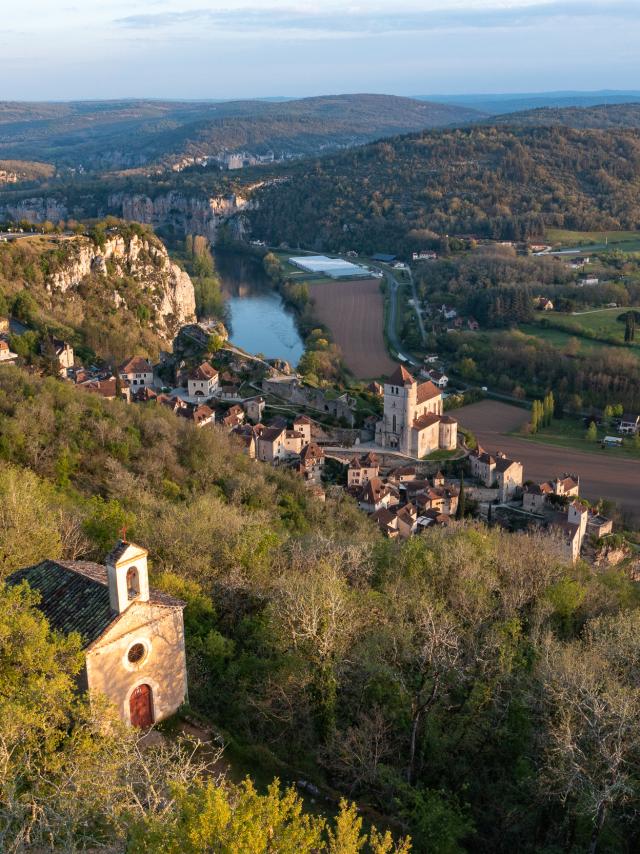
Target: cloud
[(363, 21)]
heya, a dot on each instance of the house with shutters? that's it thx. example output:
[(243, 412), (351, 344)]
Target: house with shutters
[(137, 372), (132, 635), (202, 382)]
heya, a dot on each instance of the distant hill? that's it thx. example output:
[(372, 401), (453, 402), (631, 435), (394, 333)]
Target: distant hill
[(511, 103), (602, 116), (507, 183), (129, 134)]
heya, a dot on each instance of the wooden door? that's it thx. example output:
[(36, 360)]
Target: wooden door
[(141, 707)]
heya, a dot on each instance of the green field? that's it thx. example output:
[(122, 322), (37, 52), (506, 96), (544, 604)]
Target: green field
[(557, 337), (571, 433), (627, 241), (602, 322)]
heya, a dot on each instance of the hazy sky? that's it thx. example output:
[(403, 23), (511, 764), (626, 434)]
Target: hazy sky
[(230, 48)]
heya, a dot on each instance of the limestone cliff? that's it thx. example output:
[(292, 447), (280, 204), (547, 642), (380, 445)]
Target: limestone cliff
[(139, 272), (187, 214)]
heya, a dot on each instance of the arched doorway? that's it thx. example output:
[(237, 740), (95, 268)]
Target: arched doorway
[(141, 707)]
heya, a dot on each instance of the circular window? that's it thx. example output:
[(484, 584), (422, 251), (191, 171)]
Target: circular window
[(136, 653)]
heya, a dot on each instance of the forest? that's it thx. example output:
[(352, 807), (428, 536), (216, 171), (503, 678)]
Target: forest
[(506, 183), (467, 688)]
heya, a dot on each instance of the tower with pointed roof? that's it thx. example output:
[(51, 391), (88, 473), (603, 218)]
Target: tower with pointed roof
[(413, 422)]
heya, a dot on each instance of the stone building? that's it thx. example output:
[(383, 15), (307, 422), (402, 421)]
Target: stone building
[(133, 636), (413, 420)]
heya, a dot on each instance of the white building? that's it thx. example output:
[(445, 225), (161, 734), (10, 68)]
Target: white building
[(202, 382), (137, 372)]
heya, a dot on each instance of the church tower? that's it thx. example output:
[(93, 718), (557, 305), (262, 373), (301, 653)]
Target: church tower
[(127, 575), (400, 396)]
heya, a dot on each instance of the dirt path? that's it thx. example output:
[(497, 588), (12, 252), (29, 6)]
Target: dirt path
[(600, 476)]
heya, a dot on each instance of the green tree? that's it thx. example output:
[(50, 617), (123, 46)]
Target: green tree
[(592, 432)]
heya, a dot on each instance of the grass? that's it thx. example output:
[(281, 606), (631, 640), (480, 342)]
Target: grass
[(442, 455), (626, 240), (602, 322), (571, 433)]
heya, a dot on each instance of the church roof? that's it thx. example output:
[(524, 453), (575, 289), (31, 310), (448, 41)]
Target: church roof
[(75, 596), (427, 391), (400, 376)]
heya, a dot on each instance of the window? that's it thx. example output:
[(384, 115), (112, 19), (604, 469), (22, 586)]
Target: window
[(136, 653), (394, 424), (133, 583)]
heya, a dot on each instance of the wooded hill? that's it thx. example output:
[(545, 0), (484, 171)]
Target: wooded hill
[(491, 182), (125, 134), (602, 116)]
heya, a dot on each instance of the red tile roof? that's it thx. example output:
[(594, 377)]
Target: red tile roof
[(400, 376)]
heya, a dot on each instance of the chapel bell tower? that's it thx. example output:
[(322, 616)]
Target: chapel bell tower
[(127, 575)]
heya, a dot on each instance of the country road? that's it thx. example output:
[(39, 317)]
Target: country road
[(391, 318)]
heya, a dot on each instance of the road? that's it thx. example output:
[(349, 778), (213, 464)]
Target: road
[(392, 335), (601, 475)]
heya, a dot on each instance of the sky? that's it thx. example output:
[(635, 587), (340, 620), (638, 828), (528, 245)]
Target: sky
[(61, 49)]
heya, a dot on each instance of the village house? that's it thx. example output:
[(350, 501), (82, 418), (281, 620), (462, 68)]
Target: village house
[(311, 463), (302, 424), (448, 312), (61, 352), (293, 443), (572, 528), (254, 407), (200, 415), (137, 371), (248, 436), (107, 388), (270, 446), (588, 281), (376, 494), (500, 472), (132, 636), (375, 388), (233, 417), (413, 420), (438, 378), (362, 469), (145, 395), (544, 304), (202, 382)]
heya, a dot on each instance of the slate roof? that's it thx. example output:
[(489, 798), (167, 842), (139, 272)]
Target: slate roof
[(75, 596), (400, 376)]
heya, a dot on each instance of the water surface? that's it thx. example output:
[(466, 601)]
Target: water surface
[(259, 320)]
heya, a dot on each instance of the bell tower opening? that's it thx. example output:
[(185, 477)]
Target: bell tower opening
[(133, 582)]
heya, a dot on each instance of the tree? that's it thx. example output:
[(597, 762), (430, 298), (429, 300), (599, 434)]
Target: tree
[(592, 432), (592, 712), (630, 327)]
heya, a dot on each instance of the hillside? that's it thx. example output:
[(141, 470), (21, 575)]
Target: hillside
[(112, 293), (129, 134), (493, 182), (602, 116)]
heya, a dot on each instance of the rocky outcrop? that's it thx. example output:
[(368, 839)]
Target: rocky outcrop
[(143, 259), (187, 214), (39, 209)]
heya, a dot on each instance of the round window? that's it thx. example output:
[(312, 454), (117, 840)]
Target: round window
[(136, 653)]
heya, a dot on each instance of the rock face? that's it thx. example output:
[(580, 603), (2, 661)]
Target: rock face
[(146, 261), (187, 214), (35, 210)]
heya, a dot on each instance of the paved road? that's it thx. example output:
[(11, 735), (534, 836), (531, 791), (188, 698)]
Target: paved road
[(601, 475), (393, 284)]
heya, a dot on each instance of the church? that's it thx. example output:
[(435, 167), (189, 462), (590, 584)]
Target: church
[(132, 636), (413, 422)]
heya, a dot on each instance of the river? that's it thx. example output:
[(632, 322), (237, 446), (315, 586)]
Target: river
[(259, 320)]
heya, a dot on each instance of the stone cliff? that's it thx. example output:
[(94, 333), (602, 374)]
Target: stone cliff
[(131, 265), (187, 214)]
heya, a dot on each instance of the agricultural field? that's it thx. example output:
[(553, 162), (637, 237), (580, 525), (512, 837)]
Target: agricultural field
[(354, 313), (627, 241), (603, 474)]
